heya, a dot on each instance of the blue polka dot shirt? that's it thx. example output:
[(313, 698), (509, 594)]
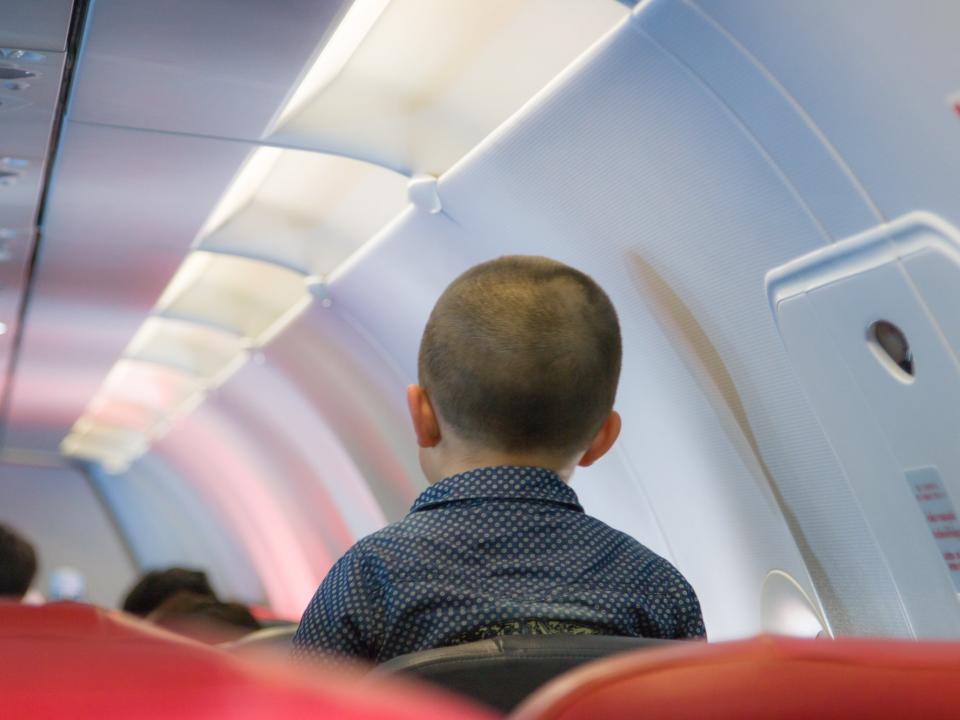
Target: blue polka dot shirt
[(485, 548)]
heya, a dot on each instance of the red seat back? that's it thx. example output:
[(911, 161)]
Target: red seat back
[(767, 677), (77, 661)]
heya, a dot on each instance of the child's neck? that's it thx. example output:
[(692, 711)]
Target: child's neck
[(452, 458)]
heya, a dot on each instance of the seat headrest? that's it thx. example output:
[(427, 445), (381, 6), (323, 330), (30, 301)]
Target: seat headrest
[(786, 678), (502, 671), (274, 640)]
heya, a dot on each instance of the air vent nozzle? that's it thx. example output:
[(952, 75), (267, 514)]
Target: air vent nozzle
[(12, 73)]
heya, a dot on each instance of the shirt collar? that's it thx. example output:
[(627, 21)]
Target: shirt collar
[(499, 483)]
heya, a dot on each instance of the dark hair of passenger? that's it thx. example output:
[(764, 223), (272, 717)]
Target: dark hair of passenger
[(204, 618), (158, 586), (18, 563), (522, 353)]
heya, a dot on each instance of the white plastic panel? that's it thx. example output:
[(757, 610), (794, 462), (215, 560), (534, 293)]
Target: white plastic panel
[(788, 610), (433, 77), (848, 65), (36, 25), (443, 251), (138, 401), (213, 68), (250, 298), (197, 350), (303, 210), (817, 174), (166, 522), (234, 474), (884, 424), (153, 386), (358, 401)]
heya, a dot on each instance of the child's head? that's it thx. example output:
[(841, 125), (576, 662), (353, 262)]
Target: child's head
[(520, 359)]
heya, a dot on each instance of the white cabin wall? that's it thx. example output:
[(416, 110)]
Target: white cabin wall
[(167, 522), (878, 78)]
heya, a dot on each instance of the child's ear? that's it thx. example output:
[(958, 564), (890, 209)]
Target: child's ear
[(424, 419), (603, 440)]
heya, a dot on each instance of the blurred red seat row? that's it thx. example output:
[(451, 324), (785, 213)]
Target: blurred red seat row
[(765, 677), (77, 661)]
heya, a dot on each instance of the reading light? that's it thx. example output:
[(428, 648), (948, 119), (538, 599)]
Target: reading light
[(240, 295), (351, 31)]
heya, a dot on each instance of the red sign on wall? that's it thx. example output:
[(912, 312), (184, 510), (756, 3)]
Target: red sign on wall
[(941, 516), (954, 102)]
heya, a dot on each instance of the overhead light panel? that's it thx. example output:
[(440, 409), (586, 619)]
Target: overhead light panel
[(132, 407), (310, 212), (148, 385), (107, 410), (432, 78), (215, 307), (114, 448), (244, 186), (336, 52), (244, 296), (202, 352)]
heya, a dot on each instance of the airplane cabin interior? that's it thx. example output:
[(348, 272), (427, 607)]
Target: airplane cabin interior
[(224, 225)]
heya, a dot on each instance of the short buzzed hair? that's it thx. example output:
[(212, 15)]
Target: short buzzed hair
[(522, 354), (18, 563)]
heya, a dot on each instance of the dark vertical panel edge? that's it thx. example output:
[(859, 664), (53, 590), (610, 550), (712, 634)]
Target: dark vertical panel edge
[(78, 22)]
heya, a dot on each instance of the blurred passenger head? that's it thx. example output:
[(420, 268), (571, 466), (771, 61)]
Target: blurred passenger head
[(204, 618), (18, 564), (158, 586), (521, 355)]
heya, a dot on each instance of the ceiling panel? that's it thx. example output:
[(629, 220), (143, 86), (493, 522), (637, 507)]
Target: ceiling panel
[(218, 67), (36, 24), (29, 104), (123, 210)]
